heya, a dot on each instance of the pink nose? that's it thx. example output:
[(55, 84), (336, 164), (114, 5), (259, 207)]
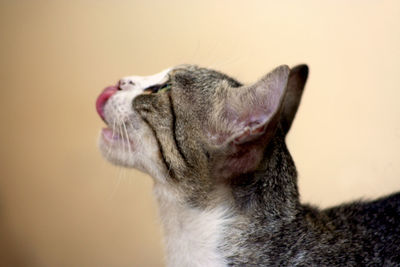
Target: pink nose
[(102, 99)]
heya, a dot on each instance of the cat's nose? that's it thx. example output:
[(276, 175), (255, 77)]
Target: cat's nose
[(103, 98), (126, 83)]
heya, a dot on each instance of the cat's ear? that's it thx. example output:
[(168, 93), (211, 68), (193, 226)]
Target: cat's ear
[(295, 87), (245, 120)]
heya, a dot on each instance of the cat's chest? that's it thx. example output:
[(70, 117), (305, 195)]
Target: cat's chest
[(192, 237)]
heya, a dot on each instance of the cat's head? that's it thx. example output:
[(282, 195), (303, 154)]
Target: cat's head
[(194, 127)]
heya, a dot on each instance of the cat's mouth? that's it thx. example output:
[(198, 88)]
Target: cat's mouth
[(117, 135), (109, 135), (112, 137)]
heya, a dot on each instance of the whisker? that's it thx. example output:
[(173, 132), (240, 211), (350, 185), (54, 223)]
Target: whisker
[(109, 151), (122, 137), (127, 138), (123, 174), (233, 58), (116, 184)]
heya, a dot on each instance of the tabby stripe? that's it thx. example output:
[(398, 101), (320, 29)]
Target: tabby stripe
[(164, 159), (178, 147)]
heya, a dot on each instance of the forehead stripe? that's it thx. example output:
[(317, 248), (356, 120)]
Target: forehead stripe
[(170, 170)]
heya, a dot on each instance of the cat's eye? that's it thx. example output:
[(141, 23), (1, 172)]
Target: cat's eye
[(157, 88)]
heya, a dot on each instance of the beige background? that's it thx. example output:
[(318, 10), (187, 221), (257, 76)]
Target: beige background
[(61, 204)]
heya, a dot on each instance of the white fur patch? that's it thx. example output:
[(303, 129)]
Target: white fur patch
[(192, 236), (142, 82)]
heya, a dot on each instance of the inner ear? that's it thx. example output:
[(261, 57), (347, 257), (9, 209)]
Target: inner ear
[(257, 105), (244, 120)]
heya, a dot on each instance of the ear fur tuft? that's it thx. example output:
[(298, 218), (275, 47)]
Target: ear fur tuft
[(295, 87)]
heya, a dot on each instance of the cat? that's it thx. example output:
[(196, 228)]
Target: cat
[(224, 179)]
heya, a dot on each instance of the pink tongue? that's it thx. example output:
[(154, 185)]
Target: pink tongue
[(102, 99)]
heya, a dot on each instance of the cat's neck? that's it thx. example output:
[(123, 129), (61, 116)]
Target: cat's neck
[(272, 188), (194, 234)]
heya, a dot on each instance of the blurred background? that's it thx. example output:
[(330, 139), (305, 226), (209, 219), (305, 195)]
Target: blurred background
[(62, 204)]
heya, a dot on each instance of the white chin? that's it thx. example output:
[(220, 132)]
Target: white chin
[(116, 149)]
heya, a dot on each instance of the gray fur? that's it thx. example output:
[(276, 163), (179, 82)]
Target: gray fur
[(222, 144)]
